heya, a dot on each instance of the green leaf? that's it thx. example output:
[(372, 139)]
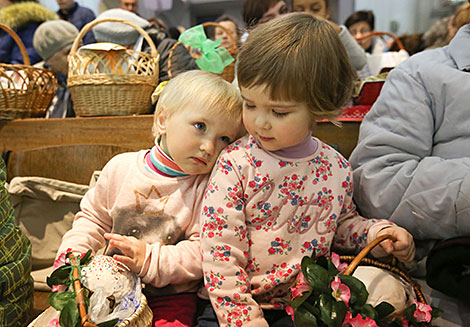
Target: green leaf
[(69, 317), (317, 277), (384, 309), (322, 261), (109, 323), (304, 318), (86, 258), (58, 300), (332, 312), (368, 311), (297, 302), (332, 269), (436, 312), (358, 290), (60, 276), (305, 262)]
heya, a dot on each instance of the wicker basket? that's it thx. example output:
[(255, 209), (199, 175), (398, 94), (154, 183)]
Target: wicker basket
[(96, 92), (361, 259), (229, 72), (25, 91), (141, 318)]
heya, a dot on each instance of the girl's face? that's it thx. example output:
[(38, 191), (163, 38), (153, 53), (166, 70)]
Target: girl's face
[(219, 32), (275, 124), (316, 8), (358, 30), (194, 136), (280, 8)]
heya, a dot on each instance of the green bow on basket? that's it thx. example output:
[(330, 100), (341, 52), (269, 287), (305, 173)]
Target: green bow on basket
[(214, 58)]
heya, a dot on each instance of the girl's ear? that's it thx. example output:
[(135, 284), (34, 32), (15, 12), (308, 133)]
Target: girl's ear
[(161, 123)]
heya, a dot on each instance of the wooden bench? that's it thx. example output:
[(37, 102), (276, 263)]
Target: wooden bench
[(71, 149)]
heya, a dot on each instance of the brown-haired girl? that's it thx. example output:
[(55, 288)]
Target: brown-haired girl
[(279, 194)]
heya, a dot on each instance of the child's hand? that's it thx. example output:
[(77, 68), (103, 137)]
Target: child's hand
[(403, 248), (132, 248)]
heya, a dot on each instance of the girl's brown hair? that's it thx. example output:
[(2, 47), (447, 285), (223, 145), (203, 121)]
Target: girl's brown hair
[(298, 58)]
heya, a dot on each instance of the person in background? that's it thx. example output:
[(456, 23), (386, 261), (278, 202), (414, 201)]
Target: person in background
[(79, 16), (130, 5), (320, 8), (23, 17), (53, 41), (360, 23), (261, 11), (230, 24), (129, 37), (147, 203), (16, 300), (459, 19), (278, 194), (412, 160)]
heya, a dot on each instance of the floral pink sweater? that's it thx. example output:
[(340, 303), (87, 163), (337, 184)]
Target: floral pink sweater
[(262, 214), (161, 211)]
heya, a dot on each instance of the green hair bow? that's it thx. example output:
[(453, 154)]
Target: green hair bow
[(214, 58)]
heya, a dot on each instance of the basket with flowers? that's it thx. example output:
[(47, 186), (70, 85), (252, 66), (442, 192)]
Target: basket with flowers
[(96, 292), (326, 294)]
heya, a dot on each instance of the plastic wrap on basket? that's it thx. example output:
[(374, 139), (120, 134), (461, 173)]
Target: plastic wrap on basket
[(108, 79)]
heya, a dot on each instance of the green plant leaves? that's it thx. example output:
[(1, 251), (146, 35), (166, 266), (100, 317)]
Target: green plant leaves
[(58, 300), (69, 316), (60, 276), (297, 302), (384, 309), (332, 312), (304, 318), (317, 277), (86, 258), (358, 290)]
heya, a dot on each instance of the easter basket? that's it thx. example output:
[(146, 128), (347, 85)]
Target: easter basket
[(117, 81), (328, 294), (25, 91), (228, 72), (384, 62), (81, 304)]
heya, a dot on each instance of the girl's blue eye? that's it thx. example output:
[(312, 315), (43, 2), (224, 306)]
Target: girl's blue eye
[(200, 126), (225, 139)]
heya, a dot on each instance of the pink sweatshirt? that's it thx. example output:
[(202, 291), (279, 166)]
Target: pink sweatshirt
[(162, 211), (262, 214)]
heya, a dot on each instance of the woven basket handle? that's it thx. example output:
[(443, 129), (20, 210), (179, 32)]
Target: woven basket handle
[(393, 36), (352, 266), (88, 26), (230, 36), (79, 296), (18, 41)]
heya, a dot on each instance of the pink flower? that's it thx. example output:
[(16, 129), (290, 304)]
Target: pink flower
[(358, 321), (54, 323), (290, 311), (341, 292), (405, 323), (422, 312), (301, 286), (340, 266)]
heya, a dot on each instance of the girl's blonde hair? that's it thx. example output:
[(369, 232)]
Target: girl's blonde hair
[(203, 88), (298, 58)]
